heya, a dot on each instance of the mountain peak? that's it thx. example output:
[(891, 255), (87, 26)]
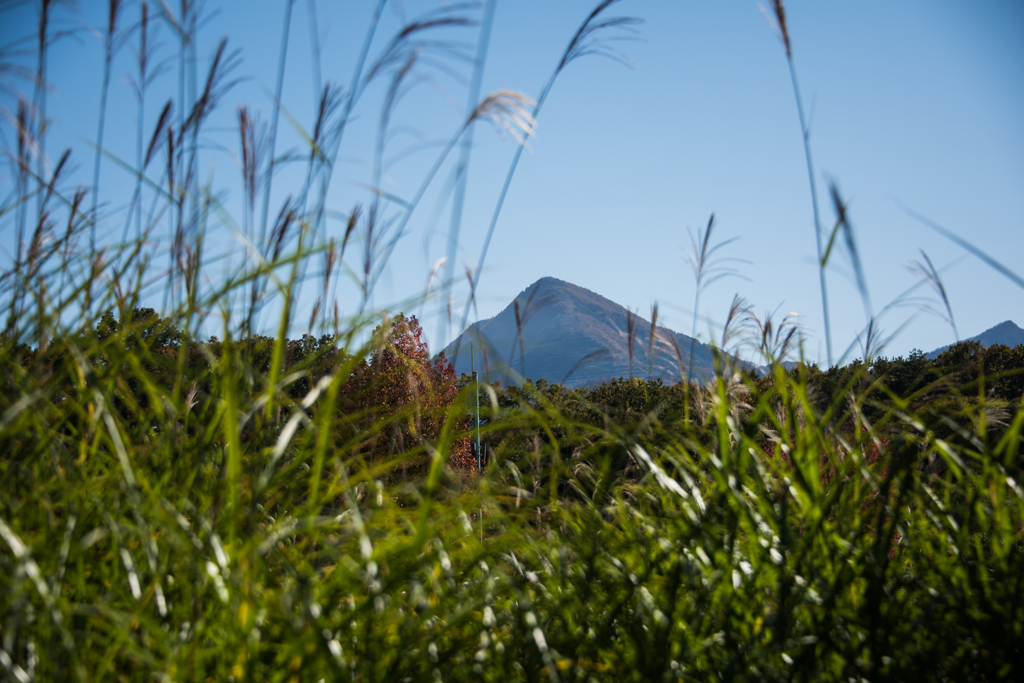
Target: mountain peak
[(1006, 326), (572, 336), (553, 284), (1006, 333)]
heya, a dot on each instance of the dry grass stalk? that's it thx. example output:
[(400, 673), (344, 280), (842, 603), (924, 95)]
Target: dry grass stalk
[(707, 269), (927, 272), (592, 357), (843, 225), (590, 38), (111, 39), (523, 315), (683, 369), (313, 316), (350, 225), (586, 41), (508, 111), (653, 340), (630, 337), (519, 335), (780, 17), (735, 321), (774, 341), (286, 217)]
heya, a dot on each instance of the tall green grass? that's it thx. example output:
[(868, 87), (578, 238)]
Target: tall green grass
[(187, 509)]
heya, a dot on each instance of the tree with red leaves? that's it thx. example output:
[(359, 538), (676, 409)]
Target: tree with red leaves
[(411, 393)]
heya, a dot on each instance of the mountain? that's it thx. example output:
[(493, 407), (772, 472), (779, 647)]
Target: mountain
[(1006, 333), (570, 336)]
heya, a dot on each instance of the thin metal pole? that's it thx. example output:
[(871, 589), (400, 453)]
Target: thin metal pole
[(476, 413)]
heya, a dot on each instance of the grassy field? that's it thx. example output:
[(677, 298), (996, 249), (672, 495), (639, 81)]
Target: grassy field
[(263, 508)]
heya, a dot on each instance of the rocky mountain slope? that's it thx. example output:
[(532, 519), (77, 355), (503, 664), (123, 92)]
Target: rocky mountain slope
[(574, 337), (1006, 333)]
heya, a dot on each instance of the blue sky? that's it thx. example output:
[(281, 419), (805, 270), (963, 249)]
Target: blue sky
[(914, 104)]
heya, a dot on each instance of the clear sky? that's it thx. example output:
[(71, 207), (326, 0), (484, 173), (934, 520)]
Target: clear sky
[(914, 104)]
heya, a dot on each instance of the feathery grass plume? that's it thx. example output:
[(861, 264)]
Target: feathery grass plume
[(707, 269), (331, 258), (40, 247), (872, 342), (775, 342), (161, 131), (927, 272), (735, 321), (414, 39), (247, 134), (215, 87), (729, 393), (253, 144), (590, 39), (76, 217), (23, 162), (314, 314), (509, 112), (327, 106), (328, 102), (189, 267), (350, 225), (400, 57), (777, 20), (374, 216), (433, 274), (279, 234), (506, 110)]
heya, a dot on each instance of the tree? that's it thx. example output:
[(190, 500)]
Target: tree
[(409, 393)]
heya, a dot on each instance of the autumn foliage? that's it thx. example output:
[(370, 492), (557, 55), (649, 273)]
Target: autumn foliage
[(411, 392)]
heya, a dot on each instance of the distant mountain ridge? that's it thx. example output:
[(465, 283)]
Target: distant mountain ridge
[(571, 336), (1006, 333)]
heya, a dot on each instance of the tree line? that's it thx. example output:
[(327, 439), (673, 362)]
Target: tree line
[(394, 398)]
